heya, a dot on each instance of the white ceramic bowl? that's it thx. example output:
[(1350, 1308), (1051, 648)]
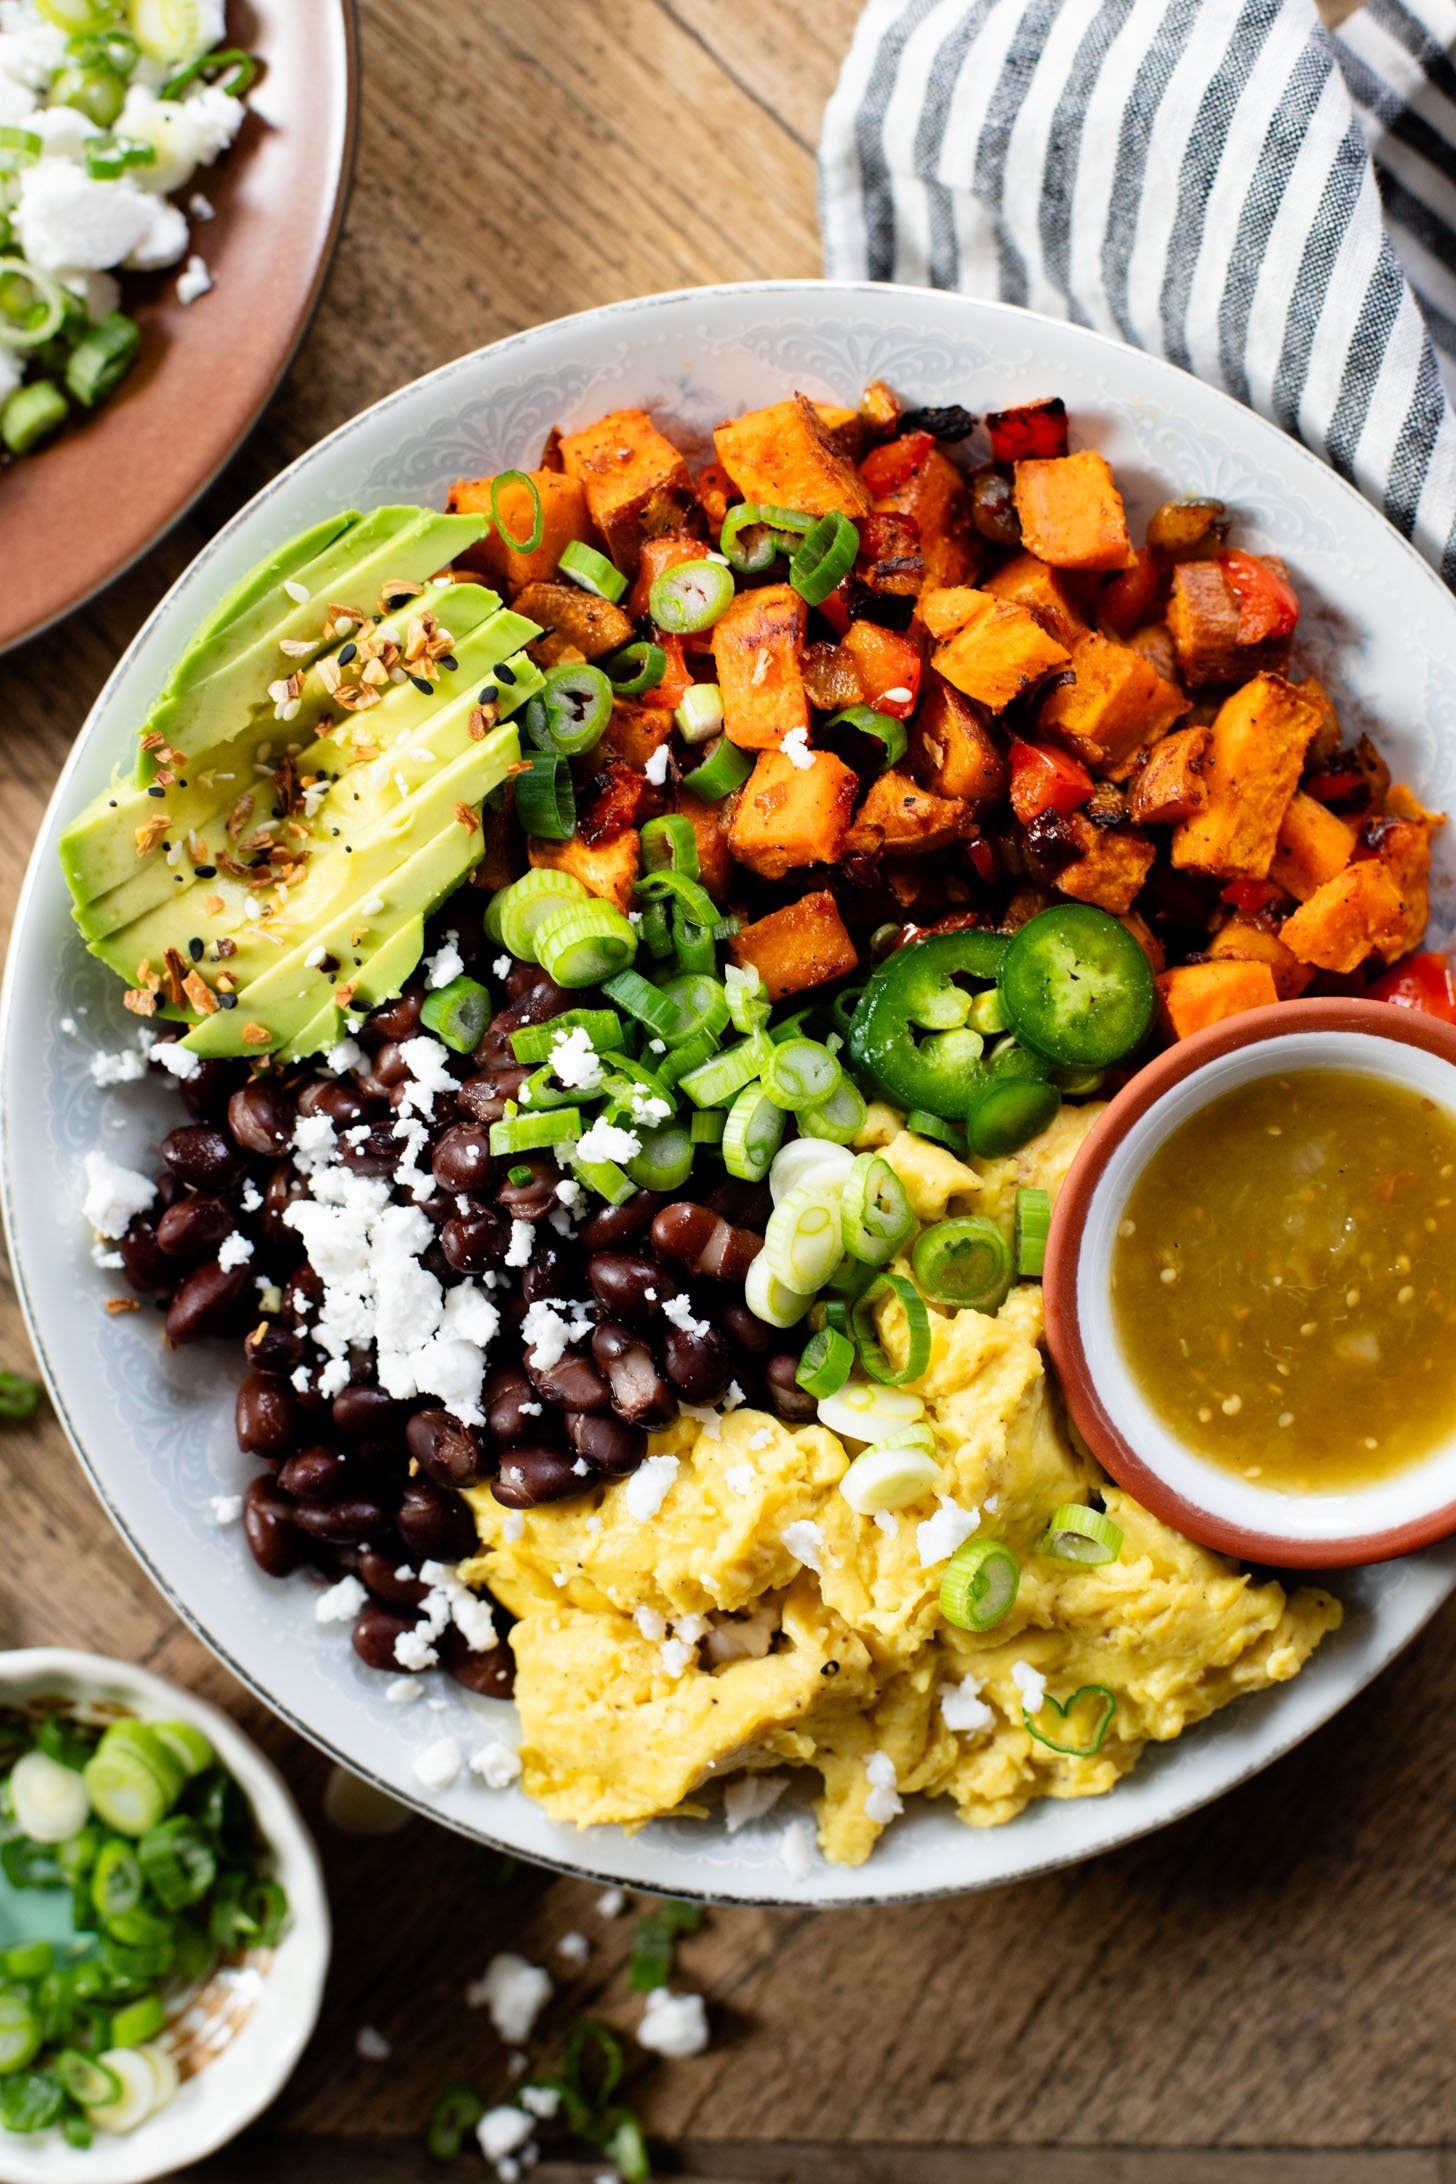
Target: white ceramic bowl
[(257, 2027), (1251, 1518), (155, 1432)]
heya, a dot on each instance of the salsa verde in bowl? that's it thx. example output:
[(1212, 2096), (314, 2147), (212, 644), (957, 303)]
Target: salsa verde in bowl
[(1249, 1284)]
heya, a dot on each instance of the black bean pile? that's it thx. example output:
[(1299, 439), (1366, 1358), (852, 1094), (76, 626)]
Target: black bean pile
[(361, 1483)]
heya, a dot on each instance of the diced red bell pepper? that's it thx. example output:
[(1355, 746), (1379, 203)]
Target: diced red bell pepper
[(678, 678), (889, 667), (1250, 896), (1033, 430), (1342, 786), (1267, 605), (835, 609), (886, 468), (1044, 778), (1423, 982), (984, 860)]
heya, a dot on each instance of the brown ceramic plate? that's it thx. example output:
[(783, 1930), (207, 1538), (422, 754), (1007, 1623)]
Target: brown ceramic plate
[(75, 515)]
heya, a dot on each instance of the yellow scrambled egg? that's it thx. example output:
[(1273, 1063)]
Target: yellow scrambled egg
[(753, 1621)]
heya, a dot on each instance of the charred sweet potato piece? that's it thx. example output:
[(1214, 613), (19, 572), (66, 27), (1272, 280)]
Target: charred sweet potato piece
[(609, 870), (790, 815), (1169, 785), (564, 517), (998, 650), (1071, 512), (845, 427), (1155, 642), (710, 827), (1256, 748), (1196, 995), (804, 945), (657, 555), (952, 751), (613, 797), (1359, 913), (1114, 703), (757, 648), (1204, 616), (634, 732), (937, 499), (1032, 584), (635, 480), (786, 456), (1109, 865), (1247, 940), (575, 617), (831, 677), (945, 610), (1314, 844), (1404, 849), (890, 562), (902, 820)]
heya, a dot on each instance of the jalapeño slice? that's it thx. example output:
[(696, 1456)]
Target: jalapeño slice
[(911, 1031), (1077, 987)]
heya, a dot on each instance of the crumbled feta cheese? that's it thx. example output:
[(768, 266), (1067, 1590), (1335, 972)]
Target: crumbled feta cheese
[(575, 1061), (549, 1328), (341, 1602), (518, 1251), (446, 965), (403, 1690), (963, 1708), (655, 769), (797, 1850), (64, 218), (795, 748), (502, 2130), (676, 1656), (128, 1067), (881, 1801), (514, 1992), (649, 1486), (608, 1141), (114, 1195), (741, 1478), (163, 239), (651, 1622), (251, 1200), (611, 1903), (573, 1948), (496, 1765), (200, 207), (235, 1250), (763, 1438), (503, 966), (938, 1537), (750, 1797), (226, 1508), (1030, 1684), (194, 280), (679, 1310), (805, 1542), (673, 2024), (438, 1764), (371, 2046)]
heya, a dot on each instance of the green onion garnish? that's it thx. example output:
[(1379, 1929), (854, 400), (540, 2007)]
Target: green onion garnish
[(691, 596), (582, 943), (102, 358), (545, 798), (520, 1176), (700, 715), (457, 1014), (535, 1043), (873, 1354), (570, 713), (964, 1262), (635, 668), (979, 1584), (876, 1210), (825, 558), (670, 844), (725, 769), (19, 148), (753, 1133), (801, 1241), (699, 1004), (109, 156), (826, 1362), (921, 1123), (1079, 1534), (839, 1118), (532, 1133), (800, 1073), (592, 571), (233, 68), (883, 728), (1062, 1708), (665, 1160), (453, 2117), (707, 1126), (519, 908), (753, 535), (528, 544), (1033, 1224), (680, 1062), (720, 1080), (654, 1940), (32, 307), (641, 999)]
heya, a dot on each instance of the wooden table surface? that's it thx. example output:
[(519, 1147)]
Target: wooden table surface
[(1265, 1992)]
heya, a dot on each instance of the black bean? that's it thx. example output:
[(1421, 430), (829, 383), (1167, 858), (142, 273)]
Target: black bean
[(434, 1523), (747, 1332), (336, 1097), (202, 1156), (626, 1285), (639, 1394), (611, 1227), (376, 1633), (538, 1000), (146, 1265), (696, 1363), (379, 1153), (211, 1301), (702, 1242), (266, 1416), (492, 1674), (789, 1401), (194, 1227), (272, 1349), (260, 1116), (450, 1453), (511, 1404), (351, 1518), (267, 1522), (318, 1474), (475, 1240), (742, 1204), (461, 1160), (607, 1443), (534, 1200), (380, 1572), (529, 1476), (554, 1270), (483, 1098), (572, 1383), (396, 1019), (205, 1092), (285, 1187), (364, 1412)]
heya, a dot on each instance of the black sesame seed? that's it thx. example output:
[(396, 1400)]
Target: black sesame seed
[(400, 599), (506, 674), (449, 663), (205, 871), (350, 652), (178, 878), (111, 801), (227, 1000), (155, 791), (166, 848), (488, 695), (194, 949), (181, 784), (421, 685)]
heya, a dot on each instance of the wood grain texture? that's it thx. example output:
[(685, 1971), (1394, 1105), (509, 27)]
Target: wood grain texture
[(1262, 1995)]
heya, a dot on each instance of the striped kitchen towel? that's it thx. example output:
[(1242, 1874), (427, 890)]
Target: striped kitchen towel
[(1270, 205)]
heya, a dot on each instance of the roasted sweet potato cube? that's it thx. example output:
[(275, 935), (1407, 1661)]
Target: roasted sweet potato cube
[(1314, 844), (1155, 642), (1246, 940), (709, 823), (634, 732), (628, 469), (845, 427), (757, 647), (1110, 868), (1203, 615), (1169, 785), (901, 820), (1115, 703), (1359, 913), (790, 815), (802, 946), (1404, 848), (937, 499), (1256, 748), (945, 609), (998, 652), (1071, 512), (610, 870), (564, 517), (1196, 995), (1032, 584), (575, 617), (952, 751), (786, 456)]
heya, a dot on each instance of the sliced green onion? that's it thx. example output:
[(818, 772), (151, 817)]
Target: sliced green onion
[(700, 715), (31, 414), (826, 1362), (535, 1043), (837, 1119), (890, 1475), (519, 908), (1063, 1708), (725, 769), (591, 570), (921, 1123), (691, 596), (178, 1863), (140, 2091), (116, 1879), (186, 1744), (877, 1214), (809, 1160), (680, 1062), (528, 544), (693, 945), (108, 157), (132, 1778), (583, 943), (453, 2117), (545, 799), (801, 1241), (234, 68), (964, 1262), (106, 47), (666, 1159), (670, 844), (641, 999), (699, 1004), (1033, 1224), (19, 148), (32, 306), (720, 1080), (1007, 1113), (20, 2030), (752, 1135), (862, 1412), (872, 1351), (31, 2100), (771, 1300), (635, 668), (520, 1176), (707, 1126), (19, 1398), (87, 2081), (606, 1179), (800, 1073), (49, 1801), (457, 1013), (753, 535), (571, 711), (883, 727), (979, 1584), (748, 1002), (531, 1133), (685, 894), (1079, 1534), (825, 558), (29, 1960)]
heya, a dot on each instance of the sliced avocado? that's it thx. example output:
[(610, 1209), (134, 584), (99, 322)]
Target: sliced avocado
[(226, 672), (377, 979), (275, 569), (98, 850)]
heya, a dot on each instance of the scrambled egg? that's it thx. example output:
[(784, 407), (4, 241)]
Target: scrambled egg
[(755, 1621)]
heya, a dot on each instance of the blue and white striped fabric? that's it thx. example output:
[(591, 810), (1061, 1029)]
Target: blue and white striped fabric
[(1265, 203)]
